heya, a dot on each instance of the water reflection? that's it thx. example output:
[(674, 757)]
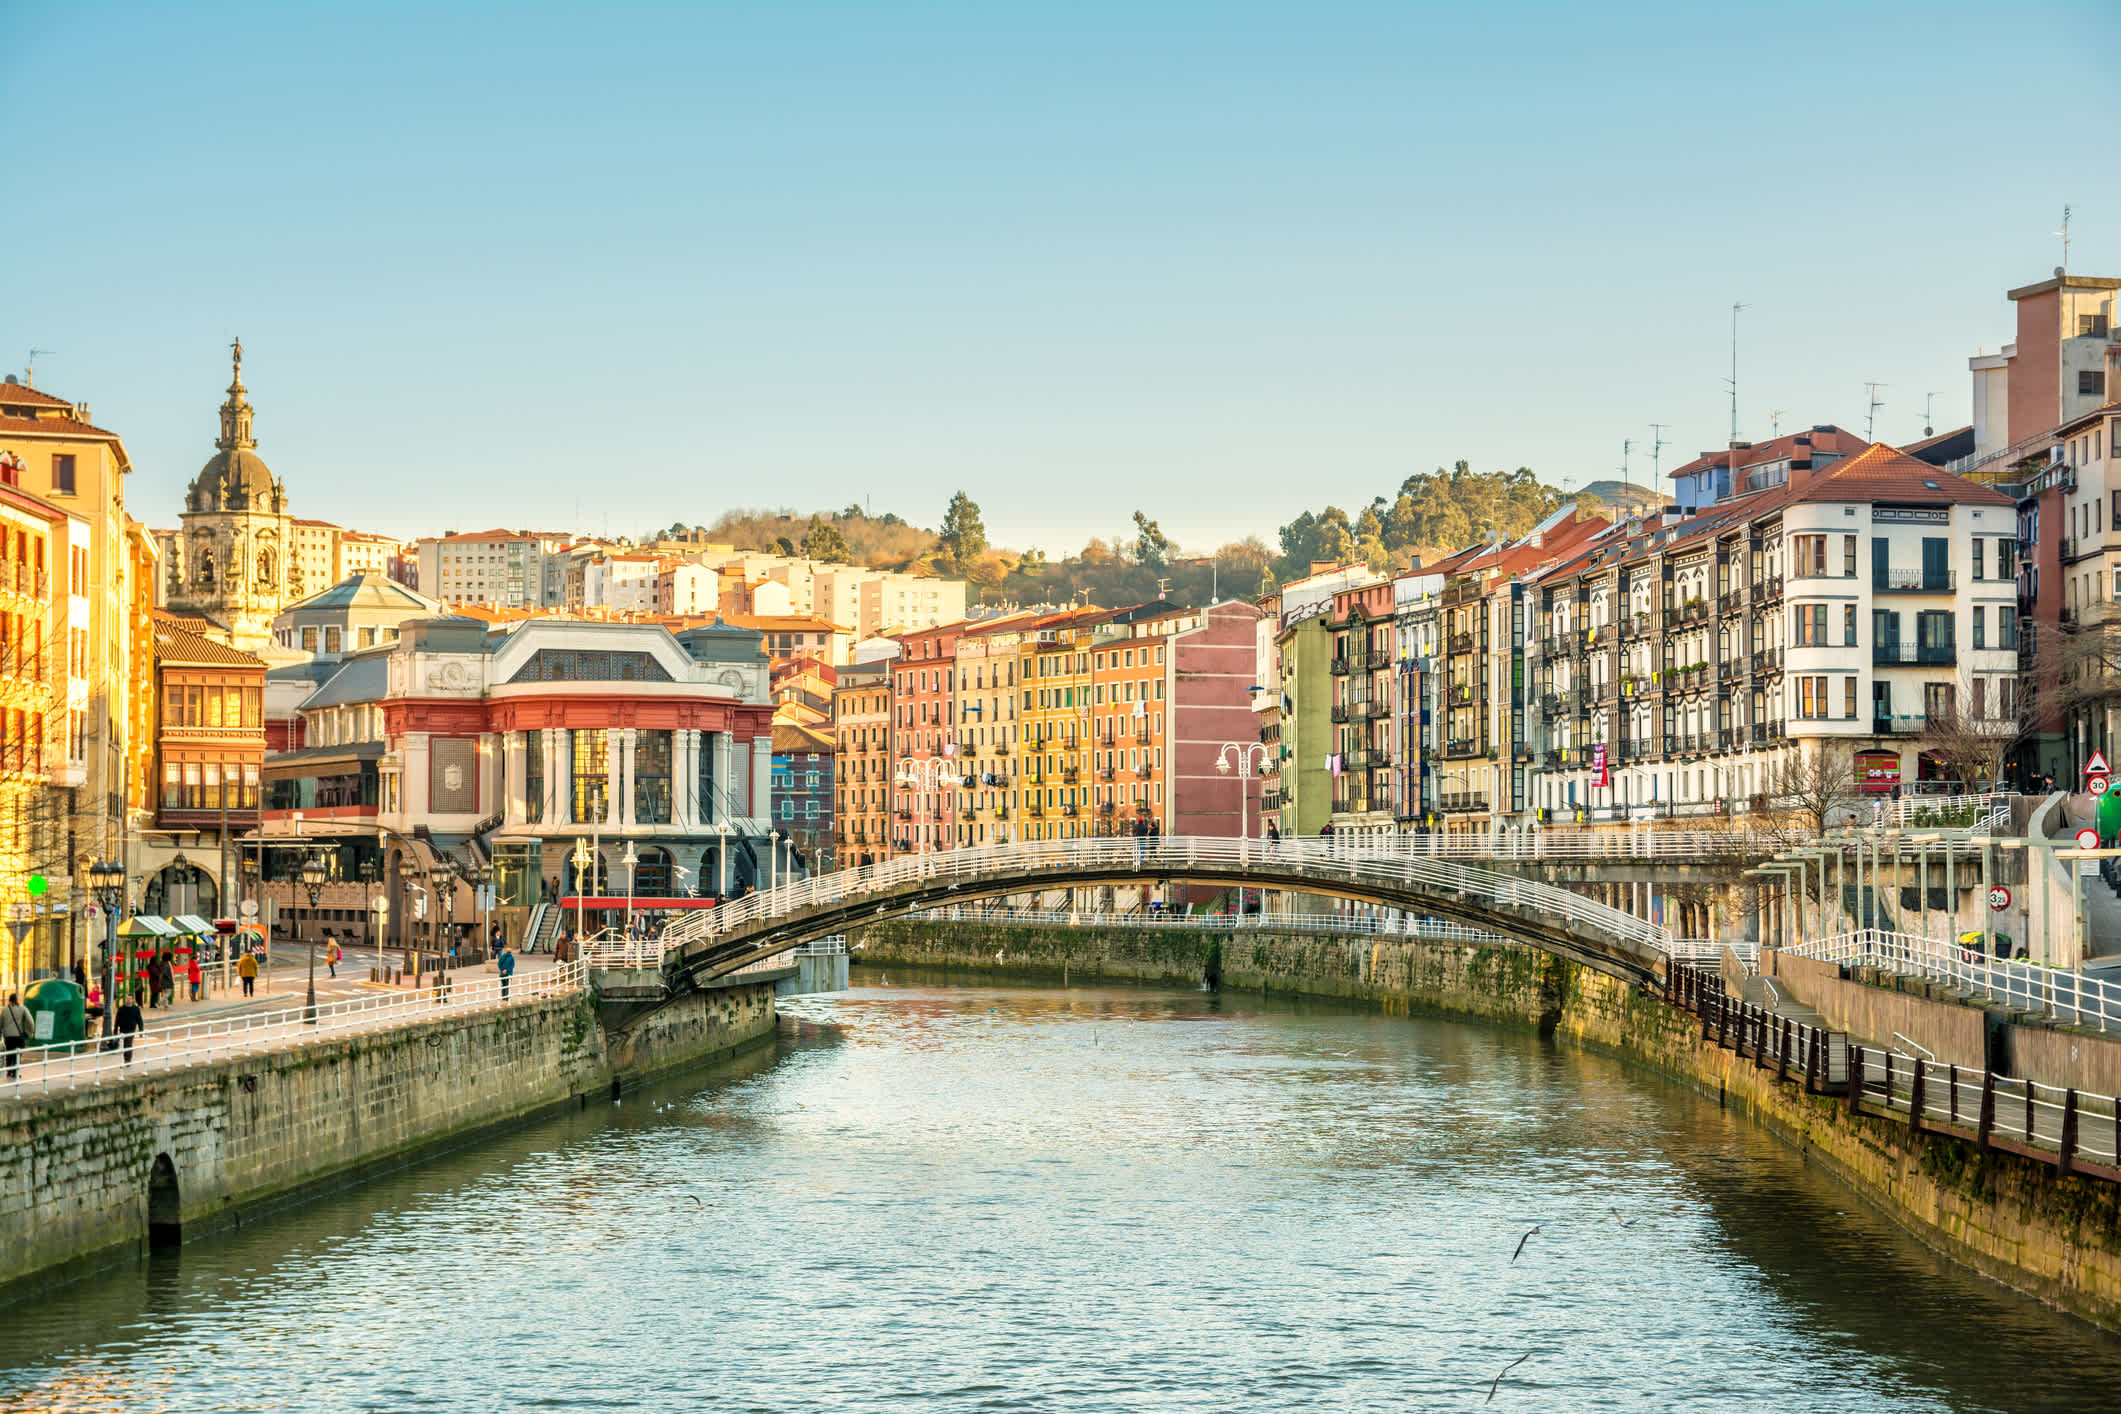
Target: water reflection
[(1080, 1199)]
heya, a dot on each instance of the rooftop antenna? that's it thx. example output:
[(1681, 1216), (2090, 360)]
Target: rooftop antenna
[(1163, 587), (1775, 422), (1657, 446), (29, 373), (1871, 417), (1733, 379), (2064, 233), (1627, 487), (1929, 420)]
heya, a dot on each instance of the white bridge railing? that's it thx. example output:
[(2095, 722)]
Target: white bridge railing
[(164, 1048), (1405, 864)]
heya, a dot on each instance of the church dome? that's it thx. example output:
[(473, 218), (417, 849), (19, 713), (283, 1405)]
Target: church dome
[(234, 480)]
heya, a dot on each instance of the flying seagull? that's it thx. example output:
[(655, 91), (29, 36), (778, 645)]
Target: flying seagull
[(1624, 1222), (1522, 1241), (1495, 1383)]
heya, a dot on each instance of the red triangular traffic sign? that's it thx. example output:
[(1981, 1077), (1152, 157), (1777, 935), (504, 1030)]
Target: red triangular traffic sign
[(2097, 766)]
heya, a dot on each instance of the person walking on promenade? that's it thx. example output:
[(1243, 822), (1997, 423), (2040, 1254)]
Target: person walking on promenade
[(81, 976), (14, 1032), (196, 976), (505, 964), (131, 1023), (247, 969), (331, 958)]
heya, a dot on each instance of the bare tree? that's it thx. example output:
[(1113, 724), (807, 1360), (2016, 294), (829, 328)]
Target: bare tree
[(1812, 787), (1972, 736)]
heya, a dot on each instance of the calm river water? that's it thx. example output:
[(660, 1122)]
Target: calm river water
[(969, 1197)]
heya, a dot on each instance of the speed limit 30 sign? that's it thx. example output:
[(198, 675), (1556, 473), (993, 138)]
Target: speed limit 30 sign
[(1999, 897)]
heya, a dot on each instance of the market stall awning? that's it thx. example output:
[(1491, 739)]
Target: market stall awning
[(193, 923), (149, 925)]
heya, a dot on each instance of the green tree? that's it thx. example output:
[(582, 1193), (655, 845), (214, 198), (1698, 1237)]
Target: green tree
[(823, 541), (1150, 546), (964, 535), (785, 546)]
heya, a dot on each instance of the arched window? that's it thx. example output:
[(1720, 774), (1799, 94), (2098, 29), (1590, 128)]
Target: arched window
[(206, 566)]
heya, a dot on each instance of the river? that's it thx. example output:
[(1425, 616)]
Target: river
[(984, 1198)]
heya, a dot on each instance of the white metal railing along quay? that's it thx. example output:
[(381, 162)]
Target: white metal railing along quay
[(166, 1048), (2074, 997), (2073, 1130), (1360, 925), (1371, 863)]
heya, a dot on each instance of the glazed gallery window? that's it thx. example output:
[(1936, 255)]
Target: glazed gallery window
[(651, 777), (1811, 625), (592, 761), (533, 776)]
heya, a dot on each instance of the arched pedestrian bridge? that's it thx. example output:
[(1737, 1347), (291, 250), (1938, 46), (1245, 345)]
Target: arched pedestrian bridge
[(1399, 872)]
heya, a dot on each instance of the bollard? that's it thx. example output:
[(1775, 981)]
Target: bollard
[(1914, 1100), (1986, 1124), (1855, 1078), (2069, 1130)]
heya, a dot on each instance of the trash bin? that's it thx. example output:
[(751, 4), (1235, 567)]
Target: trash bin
[(58, 1012)]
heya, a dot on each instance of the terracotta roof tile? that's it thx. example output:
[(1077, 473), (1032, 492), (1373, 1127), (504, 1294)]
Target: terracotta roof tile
[(51, 427), (13, 394)]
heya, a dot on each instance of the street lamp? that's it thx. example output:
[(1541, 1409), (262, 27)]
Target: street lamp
[(721, 828), (480, 877), (106, 881), (367, 875), (444, 879), (313, 877), (179, 876), (1249, 756), (632, 861), (773, 859), (581, 887)]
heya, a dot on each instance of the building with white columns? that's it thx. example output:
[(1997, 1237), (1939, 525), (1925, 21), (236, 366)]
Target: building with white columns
[(463, 743)]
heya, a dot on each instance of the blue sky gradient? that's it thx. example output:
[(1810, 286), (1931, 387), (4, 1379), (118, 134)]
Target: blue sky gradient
[(609, 267)]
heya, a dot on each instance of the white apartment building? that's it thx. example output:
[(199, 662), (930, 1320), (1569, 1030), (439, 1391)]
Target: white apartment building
[(363, 553), (895, 603), (687, 588), (505, 568), (621, 582)]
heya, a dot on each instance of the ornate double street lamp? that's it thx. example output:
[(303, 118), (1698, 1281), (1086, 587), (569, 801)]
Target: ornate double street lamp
[(367, 875), (105, 881), (479, 876), (444, 878), (582, 858), (1250, 757), (632, 862), (314, 875)]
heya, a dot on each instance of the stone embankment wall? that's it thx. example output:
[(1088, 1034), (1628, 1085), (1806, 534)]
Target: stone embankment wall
[(85, 1172), (2056, 1237)]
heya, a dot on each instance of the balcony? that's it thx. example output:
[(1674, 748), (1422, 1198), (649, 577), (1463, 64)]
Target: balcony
[(1461, 802), (1461, 694), (1070, 776), (1632, 629), (1728, 604), (1767, 660), (1898, 726), (1459, 643), (1766, 591), (1377, 658), (1106, 808), (1891, 581), (1107, 774), (1340, 712), (1461, 746), (1338, 667), (1914, 655)]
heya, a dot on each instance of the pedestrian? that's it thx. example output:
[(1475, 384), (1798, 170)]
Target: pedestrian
[(247, 969), (130, 1023), (331, 957), (505, 964), (81, 976), (14, 1032), (195, 975)]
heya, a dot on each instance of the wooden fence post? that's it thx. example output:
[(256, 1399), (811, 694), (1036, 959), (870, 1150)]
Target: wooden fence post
[(1814, 1061), (1855, 1078), (1914, 1100), (1953, 1080), (2069, 1130), (1986, 1125)]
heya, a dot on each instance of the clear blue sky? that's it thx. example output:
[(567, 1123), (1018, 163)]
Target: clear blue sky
[(1219, 262)]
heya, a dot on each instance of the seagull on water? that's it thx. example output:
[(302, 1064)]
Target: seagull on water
[(1496, 1383), (1522, 1241)]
